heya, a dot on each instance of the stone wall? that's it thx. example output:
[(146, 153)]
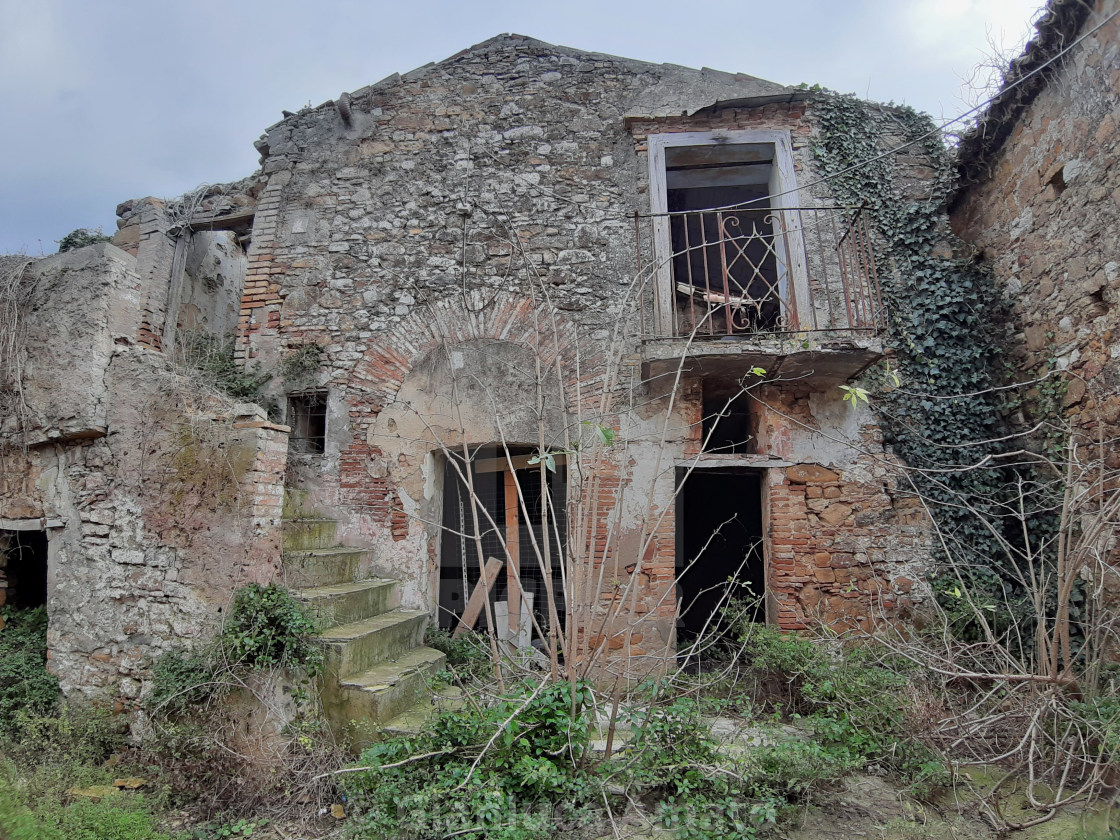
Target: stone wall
[(159, 497), (1044, 214), (453, 237)]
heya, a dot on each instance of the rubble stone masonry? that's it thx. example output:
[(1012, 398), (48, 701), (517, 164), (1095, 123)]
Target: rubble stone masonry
[(1045, 215), (450, 229)]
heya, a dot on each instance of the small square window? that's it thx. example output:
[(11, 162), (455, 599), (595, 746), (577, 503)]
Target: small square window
[(307, 416), (729, 424)]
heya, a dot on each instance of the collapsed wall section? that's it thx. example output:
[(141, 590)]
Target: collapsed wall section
[(157, 498)]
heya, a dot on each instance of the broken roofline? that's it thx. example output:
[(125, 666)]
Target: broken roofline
[(751, 90), (1058, 27)]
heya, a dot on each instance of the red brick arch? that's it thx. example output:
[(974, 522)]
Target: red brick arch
[(376, 379)]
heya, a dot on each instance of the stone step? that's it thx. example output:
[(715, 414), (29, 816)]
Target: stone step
[(380, 693), (307, 534), (411, 721), (321, 566), (342, 603), (358, 646)]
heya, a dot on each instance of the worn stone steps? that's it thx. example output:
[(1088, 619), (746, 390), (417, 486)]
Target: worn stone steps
[(359, 645), (308, 533), (383, 692), (322, 566), (375, 665), (342, 603), (412, 720)]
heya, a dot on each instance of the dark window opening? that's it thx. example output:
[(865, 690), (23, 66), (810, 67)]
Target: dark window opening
[(307, 416), (729, 423), (499, 496), (720, 559), (23, 568), (725, 261)]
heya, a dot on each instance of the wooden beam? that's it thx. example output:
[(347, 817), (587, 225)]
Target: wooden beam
[(233, 221), (513, 552), (479, 596), (520, 462)]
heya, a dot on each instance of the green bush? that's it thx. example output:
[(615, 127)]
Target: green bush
[(80, 238), (468, 654), (522, 767), (268, 628), (75, 733), (856, 701), (16, 820), (213, 358), (25, 685), (529, 779)]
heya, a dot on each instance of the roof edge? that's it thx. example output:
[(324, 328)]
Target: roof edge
[(1059, 26)]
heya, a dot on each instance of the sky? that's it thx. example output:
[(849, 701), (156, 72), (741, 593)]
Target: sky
[(116, 99)]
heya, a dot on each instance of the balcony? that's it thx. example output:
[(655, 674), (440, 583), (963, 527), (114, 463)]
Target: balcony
[(793, 290)]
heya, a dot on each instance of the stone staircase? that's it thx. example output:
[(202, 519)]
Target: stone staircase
[(376, 666)]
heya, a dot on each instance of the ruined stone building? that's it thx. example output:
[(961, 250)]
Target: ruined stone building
[(584, 315)]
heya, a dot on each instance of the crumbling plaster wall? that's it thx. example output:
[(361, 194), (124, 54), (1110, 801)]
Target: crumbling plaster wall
[(1045, 216), (163, 500), (213, 279), (475, 200)]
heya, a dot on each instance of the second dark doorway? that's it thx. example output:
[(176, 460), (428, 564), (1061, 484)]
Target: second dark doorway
[(719, 548)]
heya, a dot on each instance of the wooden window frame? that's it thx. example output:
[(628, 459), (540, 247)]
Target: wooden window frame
[(783, 201)]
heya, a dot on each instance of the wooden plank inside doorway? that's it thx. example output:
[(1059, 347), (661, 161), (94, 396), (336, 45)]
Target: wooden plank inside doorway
[(513, 550)]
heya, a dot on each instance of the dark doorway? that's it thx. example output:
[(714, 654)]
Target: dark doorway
[(500, 509), (25, 568), (719, 548), (728, 425)]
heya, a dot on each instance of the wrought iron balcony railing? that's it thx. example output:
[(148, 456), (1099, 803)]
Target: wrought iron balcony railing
[(761, 272)]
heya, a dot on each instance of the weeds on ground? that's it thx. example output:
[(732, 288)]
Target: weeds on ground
[(859, 706), (526, 765), (216, 762), (468, 654), (25, 685)]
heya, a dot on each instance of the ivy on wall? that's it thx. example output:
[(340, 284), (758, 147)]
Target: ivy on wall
[(946, 331)]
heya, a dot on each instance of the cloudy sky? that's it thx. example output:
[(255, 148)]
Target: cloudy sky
[(109, 100)]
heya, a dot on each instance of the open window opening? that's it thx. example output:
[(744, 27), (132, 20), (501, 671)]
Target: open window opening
[(726, 265), (729, 421), (23, 569), (513, 511), (307, 417), (721, 570)]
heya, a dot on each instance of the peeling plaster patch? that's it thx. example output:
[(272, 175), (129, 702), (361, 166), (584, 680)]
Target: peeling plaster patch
[(842, 423)]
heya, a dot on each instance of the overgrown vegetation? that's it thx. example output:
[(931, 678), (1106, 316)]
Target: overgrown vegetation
[(25, 686), (949, 344), (299, 366), (533, 760), (267, 628), (233, 722), (217, 744), (51, 748), (1022, 515), (80, 238), (213, 358)]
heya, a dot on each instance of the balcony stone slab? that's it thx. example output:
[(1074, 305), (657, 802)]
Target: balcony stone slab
[(822, 362)]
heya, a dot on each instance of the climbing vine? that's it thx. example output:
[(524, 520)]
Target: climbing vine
[(945, 331)]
